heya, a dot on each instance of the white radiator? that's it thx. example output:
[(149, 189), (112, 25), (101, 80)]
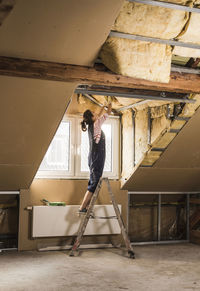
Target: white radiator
[(51, 221)]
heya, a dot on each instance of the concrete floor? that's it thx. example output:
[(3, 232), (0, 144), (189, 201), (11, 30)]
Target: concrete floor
[(161, 268)]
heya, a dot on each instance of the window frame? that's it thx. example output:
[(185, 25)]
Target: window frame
[(75, 151)]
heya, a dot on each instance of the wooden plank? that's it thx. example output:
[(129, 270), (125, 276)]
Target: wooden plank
[(5, 8), (180, 82)]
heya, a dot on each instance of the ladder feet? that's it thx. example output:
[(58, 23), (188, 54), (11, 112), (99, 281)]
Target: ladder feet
[(131, 254), (73, 253)]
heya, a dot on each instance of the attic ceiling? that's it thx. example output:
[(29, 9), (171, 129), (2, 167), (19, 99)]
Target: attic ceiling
[(31, 110), (48, 49)]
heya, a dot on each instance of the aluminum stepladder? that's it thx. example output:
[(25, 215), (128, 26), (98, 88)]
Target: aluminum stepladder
[(88, 215)]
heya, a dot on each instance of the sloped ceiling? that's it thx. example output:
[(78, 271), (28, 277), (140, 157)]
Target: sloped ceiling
[(30, 110), (61, 31), (178, 169)]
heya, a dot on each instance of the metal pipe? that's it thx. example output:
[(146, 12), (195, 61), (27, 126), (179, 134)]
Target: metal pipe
[(179, 69), (133, 124), (149, 127), (132, 105), (159, 242), (153, 39), (9, 192), (167, 5), (129, 95), (188, 216), (128, 212), (159, 217)]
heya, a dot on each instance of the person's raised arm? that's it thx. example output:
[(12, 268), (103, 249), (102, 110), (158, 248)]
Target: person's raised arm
[(101, 111)]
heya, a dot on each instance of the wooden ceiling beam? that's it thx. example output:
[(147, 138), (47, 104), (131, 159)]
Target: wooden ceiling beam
[(5, 8), (15, 67)]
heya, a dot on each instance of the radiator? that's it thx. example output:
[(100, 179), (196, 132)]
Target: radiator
[(52, 221)]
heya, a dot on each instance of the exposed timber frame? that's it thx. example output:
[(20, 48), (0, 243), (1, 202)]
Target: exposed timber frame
[(15, 67), (5, 8)]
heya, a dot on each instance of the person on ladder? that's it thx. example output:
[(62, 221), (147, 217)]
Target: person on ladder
[(97, 152)]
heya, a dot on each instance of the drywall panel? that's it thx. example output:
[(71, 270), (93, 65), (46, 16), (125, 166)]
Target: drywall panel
[(62, 31), (52, 221), (30, 112), (184, 150), (151, 179)]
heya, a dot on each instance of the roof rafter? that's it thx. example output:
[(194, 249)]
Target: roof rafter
[(179, 82)]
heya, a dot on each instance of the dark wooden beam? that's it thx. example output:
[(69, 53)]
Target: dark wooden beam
[(179, 82), (5, 8)]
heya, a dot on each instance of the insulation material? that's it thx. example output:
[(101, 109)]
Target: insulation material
[(190, 108), (127, 101), (128, 143), (83, 104), (144, 60), (177, 124), (150, 158), (149, 103), (143, 223), (158, 126), (141, 136), (191, 34), (8, 220), (143, 217), (158, 111), (116, 104), (164, 140), (147, 20), (160, 123)]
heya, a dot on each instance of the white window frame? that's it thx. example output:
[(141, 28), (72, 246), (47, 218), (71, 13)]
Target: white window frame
[(75, 151), (62, 174)]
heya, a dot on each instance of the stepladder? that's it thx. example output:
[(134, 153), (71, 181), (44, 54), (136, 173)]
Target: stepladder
[(89, 214)]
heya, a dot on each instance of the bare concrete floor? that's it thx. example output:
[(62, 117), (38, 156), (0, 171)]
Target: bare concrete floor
[(161, 268)]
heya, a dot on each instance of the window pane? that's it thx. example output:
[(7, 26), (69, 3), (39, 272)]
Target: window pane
[(58, 154), (84, 151), (107, 128)]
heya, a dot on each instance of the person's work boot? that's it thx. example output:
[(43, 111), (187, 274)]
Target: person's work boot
[(82, 211)]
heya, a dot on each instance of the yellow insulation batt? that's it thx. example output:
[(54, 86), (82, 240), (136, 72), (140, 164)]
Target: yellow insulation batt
[(147, 20), (191, 34), (144, 60), (127, 143)]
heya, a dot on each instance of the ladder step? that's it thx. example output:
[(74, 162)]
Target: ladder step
[(89, 215)]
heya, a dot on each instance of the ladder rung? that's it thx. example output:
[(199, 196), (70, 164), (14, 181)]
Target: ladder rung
[(89, 215)]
